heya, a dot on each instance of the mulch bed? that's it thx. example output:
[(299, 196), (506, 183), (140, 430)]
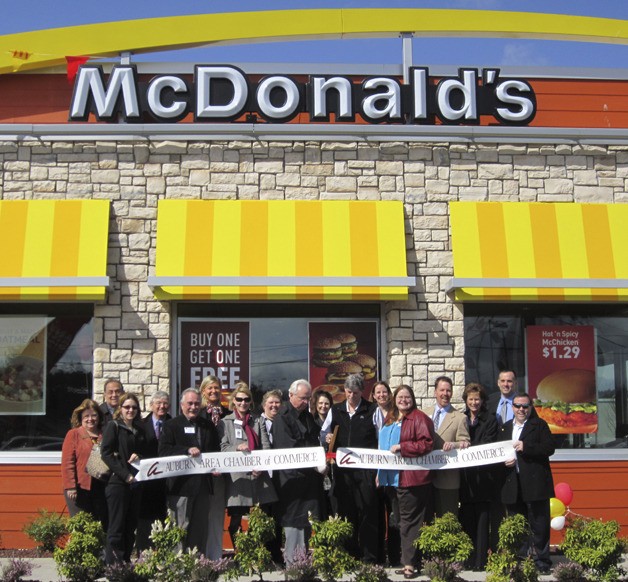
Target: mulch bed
[(24, 553)]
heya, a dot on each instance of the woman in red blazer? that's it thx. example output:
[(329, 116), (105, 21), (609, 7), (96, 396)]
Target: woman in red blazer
[(83, 492)]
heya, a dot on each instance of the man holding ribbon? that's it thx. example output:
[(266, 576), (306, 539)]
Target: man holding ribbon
[(188, 495)]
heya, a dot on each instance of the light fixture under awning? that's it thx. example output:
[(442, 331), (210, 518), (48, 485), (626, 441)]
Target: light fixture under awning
[(280, 249), (516, 251), (53, 249)]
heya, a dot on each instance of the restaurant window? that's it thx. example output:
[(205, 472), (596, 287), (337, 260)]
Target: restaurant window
[(270, 345), (495, 338), (45, 372)]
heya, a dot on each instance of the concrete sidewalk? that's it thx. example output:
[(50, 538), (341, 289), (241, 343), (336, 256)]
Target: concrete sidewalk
[(45, 571)]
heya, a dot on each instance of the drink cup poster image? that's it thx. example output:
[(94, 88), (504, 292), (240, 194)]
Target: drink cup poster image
[(22, 365), (339, 349), (561, 376)]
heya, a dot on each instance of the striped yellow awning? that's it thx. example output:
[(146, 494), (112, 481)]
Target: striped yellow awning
[(515, 251), (280, 249), (53, 249)]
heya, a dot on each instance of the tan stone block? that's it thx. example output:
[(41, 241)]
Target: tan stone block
[(161, 364), (199, 177), (558, 186), (341, 184), (592, 194)]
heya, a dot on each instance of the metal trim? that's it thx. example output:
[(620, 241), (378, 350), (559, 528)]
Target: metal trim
[(54, 282), (281, 281), (531, 283)]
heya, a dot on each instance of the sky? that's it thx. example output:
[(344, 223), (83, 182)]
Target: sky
[(26, 15)]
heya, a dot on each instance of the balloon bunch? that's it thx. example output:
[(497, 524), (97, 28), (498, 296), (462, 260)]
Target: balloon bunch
[(559, 505)]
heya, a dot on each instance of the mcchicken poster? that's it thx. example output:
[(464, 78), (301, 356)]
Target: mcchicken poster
[(337, 350), (214, 348), (561, 376)]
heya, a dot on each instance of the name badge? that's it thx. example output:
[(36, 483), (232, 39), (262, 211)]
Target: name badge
[(190, 430), (237, 421), (239, 433)]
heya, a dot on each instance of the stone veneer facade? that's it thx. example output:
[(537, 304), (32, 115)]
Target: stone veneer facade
[(132, 330)]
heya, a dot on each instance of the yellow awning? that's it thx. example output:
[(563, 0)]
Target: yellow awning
[(53, 249), (515, 251), (280, 249)]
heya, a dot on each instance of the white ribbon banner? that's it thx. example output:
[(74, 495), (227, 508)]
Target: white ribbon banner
[(233, 462), (455, 459)]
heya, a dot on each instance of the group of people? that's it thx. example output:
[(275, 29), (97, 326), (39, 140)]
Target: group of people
[(386, 508)]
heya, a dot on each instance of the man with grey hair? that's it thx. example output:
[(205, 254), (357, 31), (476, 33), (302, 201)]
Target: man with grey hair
[(113, 389), (188, 495), (355, 489), (153, 504), (300, 490)]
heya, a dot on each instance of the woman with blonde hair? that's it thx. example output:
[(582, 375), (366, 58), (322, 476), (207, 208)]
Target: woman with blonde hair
[(245, 432), (83, 492)]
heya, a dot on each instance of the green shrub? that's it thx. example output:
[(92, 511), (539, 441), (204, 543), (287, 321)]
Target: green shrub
[(46, 529), (79, 560), (166, 561), (252, 557), (504, 565), (445, 547), (329, 556), (594, 545)]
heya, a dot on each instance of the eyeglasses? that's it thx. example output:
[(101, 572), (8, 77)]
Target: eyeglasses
[(524, 406), (129, 407), (242, 399)]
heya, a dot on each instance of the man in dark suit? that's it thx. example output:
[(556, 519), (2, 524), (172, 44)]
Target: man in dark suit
[(153, 504), (188, 496), (500, 403), (528, 484), (355, 489), (113, 389)]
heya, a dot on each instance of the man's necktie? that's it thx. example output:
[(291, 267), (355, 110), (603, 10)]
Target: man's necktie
[(437, 418), (158, 428)]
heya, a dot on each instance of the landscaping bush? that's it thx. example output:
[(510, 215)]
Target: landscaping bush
[(505, 565), (329, 556), (46, 529)]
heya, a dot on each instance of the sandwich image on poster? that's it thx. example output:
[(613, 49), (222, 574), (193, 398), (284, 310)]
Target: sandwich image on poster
[(22, 365), (561, 377), (339, 349)]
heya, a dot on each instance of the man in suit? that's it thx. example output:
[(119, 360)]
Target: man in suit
[(500, 403), (153, 504), (113, 391), (528, 485), (451, 433), (300, 491), (355, 489), (188, 495)]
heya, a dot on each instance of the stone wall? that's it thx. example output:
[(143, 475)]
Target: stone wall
[(424, 335)]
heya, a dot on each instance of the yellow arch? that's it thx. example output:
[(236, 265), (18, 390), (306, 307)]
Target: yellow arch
[(45, 48)]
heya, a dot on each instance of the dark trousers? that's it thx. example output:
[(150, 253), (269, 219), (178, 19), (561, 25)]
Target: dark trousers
[(357, 501), (153, 508), (414, 504), (92, 501), (123, 503), (474, 518), (538, 515), (388, 526), (497, 514)]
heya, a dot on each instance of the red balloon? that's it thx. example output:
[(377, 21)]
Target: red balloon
[(564, 492)]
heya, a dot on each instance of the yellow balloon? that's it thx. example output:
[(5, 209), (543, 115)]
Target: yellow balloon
[(557, 507)]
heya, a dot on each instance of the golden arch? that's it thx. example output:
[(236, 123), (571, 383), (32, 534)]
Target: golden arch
[(46, 48)]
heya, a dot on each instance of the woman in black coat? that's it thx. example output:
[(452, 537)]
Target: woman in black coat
[(124, 441), (478, 484)]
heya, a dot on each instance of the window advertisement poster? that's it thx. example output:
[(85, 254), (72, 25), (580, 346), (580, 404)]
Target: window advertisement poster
[(214, 348), (23, 365), (560, 363), (339, 349)]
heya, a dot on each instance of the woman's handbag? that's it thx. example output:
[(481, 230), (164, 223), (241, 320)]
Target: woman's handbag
[(95, 466)]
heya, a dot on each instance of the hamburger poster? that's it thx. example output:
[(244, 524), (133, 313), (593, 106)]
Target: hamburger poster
[(561, 376), (339, 349)]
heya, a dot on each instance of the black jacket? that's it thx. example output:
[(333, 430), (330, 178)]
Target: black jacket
[(478, 484), (176, 441), (119, 442), (357, 430), (535, 475)]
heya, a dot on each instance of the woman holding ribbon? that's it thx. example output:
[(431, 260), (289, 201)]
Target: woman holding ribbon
[(410, 433), (245, 433)]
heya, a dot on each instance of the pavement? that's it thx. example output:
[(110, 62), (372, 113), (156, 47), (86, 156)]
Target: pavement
[(45, 571)]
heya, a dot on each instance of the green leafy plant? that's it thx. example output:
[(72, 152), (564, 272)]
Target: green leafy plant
[(594, 545), (329, 556), (445, 546), (46, 529), (252, 557), (166, 561), (504, 565), (78, 559)]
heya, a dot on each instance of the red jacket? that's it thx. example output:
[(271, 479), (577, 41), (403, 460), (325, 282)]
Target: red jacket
[(77, 447), (416, 440)]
